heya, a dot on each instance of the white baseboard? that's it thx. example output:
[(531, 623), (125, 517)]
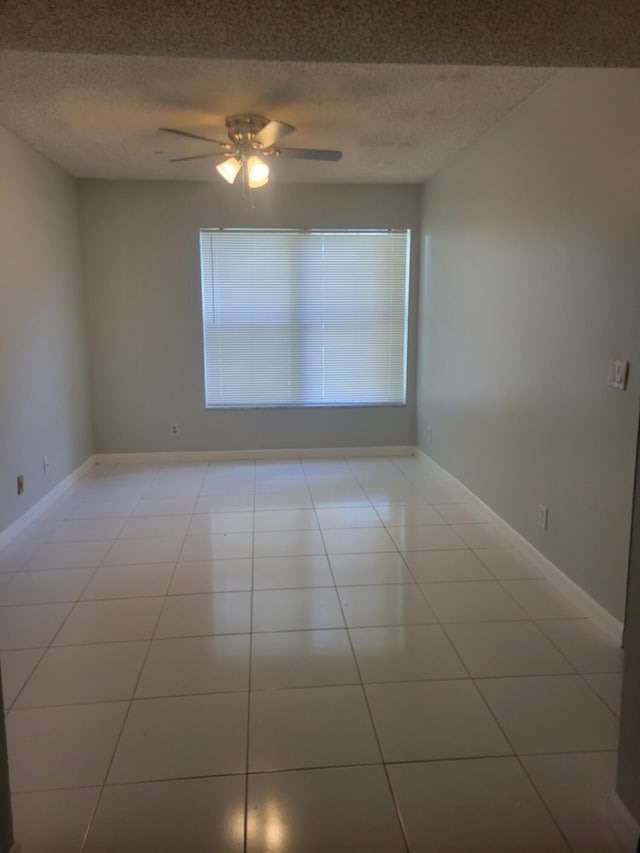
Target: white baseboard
[(623, 824), (233, 455), (189, 456), (563, 583), (45, 502), (556, 576)]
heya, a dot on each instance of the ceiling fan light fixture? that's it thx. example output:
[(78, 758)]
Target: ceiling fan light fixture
[(229, 169), (249, 133), (257, 172)]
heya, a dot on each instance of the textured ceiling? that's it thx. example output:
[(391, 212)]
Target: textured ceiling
[(97, 116), (453, 32), (398, 85)]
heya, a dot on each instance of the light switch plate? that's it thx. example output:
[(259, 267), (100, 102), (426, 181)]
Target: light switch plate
[(618, 372)]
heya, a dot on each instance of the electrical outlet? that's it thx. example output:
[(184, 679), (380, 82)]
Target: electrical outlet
[(174, 429), (20, 483), (543, 517), (428, 434), (45, 464)]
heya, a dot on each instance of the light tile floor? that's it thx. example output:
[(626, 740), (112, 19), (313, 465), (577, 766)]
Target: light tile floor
[(300, 656)]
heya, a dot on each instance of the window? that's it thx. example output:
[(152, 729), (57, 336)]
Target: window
[(304, 318)]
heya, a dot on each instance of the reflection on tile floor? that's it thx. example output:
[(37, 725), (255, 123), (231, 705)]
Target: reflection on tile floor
[(300, 656)]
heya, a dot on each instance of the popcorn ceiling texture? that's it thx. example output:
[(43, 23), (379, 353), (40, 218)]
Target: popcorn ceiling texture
[(399, 87), (479, 32), (98, 116)]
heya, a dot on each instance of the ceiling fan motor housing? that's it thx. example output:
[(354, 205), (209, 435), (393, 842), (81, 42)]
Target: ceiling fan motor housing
[(243, 127)]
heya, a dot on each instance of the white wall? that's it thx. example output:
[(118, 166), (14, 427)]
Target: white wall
[(44, 395), (531, 283), (142, 267)]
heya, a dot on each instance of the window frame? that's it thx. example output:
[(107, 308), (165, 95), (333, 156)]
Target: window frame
[(407, 232)]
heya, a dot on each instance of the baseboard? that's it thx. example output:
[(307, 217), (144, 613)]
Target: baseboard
[(556, 576), (564, 584), (45, 502), (623, 824), (239, 455)]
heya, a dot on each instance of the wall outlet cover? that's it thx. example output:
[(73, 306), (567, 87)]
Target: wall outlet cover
[(543, 517), (618, 373)]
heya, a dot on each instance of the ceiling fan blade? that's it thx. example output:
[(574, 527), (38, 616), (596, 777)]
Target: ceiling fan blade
[(272, 132), (196, 157), (190, 135), (310, 153)]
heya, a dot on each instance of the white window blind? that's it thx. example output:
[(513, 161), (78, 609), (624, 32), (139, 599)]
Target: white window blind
[(304, 318)]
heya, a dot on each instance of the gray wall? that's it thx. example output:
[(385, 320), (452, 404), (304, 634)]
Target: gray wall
[(44, 395), (142, 267), (531, 283)]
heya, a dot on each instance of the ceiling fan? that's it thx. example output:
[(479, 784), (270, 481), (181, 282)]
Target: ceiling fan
[(252, 139)]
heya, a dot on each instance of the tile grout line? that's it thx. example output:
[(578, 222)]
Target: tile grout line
[(577, 671), (517, 757), (408, 583), (371, 720), (287, 688), (251, 634), (124, 722), (51, 642), (544, 802), (516, 754), (507, 739), (245, 840), (274, 772)]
